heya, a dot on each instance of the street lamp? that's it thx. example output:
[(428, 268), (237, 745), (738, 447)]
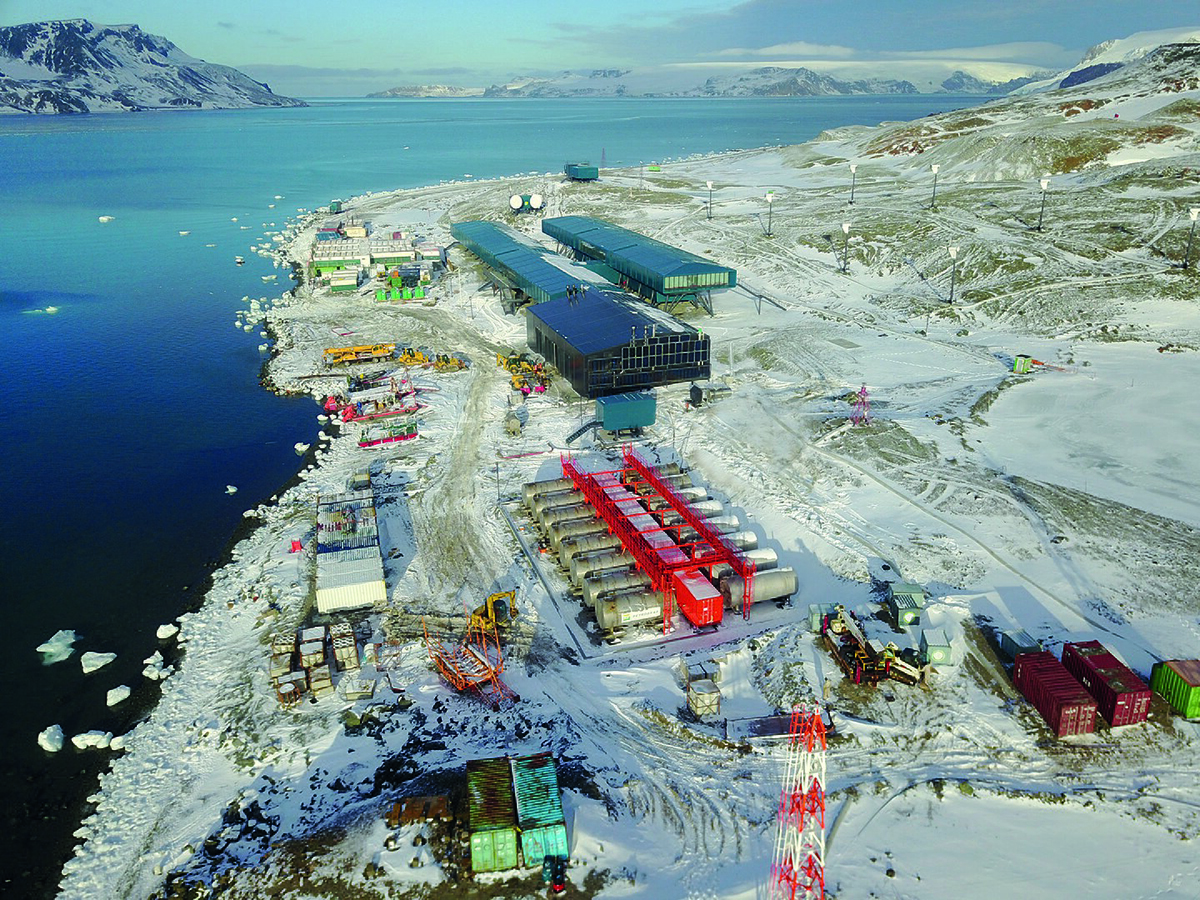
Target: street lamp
[(853, 178), (1045, 182), (770, 199), (954, 269), (1194, 212), (845, 247), (709, 183), (933, 202)]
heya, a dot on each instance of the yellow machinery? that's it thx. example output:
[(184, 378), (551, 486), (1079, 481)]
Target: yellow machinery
[(411, 356), (500, 609), (337, 355)]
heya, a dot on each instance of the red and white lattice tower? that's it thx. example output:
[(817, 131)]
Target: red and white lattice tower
[(862, 408), (798, 870)]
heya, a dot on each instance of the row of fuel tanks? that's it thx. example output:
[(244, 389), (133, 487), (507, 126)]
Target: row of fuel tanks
[(602, 573)]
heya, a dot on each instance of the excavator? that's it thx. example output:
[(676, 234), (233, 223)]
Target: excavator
[(499, 610)]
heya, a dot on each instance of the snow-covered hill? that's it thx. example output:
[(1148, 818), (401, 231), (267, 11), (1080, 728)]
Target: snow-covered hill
[(1112, 55), (76, 66)]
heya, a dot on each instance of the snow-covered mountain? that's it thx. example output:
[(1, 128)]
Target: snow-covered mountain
[(1111, 55), (76, 66), (442, 91)]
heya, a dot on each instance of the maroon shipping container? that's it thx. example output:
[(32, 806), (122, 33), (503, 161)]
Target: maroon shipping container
[(1062, 701), (1121, 697)]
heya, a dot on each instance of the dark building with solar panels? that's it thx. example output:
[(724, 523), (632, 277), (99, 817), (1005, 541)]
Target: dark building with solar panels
[(608, 343)]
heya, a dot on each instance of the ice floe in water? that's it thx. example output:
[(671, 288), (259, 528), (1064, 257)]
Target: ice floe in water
[(166, 632), (231, 488), (51, 739), (301, 448), (117, 694), (58, 647), (99, 739), (91, 661), (106, 219)]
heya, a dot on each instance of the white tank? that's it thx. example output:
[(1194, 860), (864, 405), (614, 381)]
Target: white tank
[(774, 584), (724, 524), (537, 488), (587, 544), (555, 498), (599, 585), (763, 559), (691, 494), (743, 540), (679, 480), (629, 609), (705, 509), (557, 514), (592, 564), (560, 532)]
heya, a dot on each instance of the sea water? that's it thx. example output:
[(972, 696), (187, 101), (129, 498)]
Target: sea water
[(132, 399)]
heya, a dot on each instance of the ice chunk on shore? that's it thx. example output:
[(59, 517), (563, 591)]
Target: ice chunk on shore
[(166, 632), (58, 647), (51, 739), (117, 694), (100, 739), (92, 661), (117, 743)]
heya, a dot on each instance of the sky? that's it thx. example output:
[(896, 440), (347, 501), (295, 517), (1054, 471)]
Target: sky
[(308, 48)]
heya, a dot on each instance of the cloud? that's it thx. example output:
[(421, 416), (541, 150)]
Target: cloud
[(1035, 52), (228, 25), (795, 48)]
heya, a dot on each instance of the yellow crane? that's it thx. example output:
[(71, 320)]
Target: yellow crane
[(500, 609)]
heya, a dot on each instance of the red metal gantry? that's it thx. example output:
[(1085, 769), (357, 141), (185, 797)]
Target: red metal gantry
[(474, 663), (673, 567), (798, 869)]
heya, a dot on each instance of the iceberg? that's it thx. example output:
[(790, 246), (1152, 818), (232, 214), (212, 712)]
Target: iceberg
[(92, 661), (231, 489), (58, 647), (166, 632), (117, 694), (51, 739)]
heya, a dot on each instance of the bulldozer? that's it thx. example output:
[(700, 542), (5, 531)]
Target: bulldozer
[(499, 610), (410, 356)]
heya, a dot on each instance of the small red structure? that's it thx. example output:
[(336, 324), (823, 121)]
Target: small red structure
[(1064, 704), (1121, 697), (474, 663)]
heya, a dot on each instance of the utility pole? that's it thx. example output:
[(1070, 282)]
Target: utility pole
[(709, 199), (933, 202), (953, 271), (1187, 256), (1045, 182), (846, 248), (853, 178)]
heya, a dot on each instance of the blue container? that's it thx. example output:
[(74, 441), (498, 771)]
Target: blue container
[(621, 412)]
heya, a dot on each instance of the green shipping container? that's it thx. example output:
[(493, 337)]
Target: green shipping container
[(904, 610), (620, 412), (407, 293), (381, 295), (1178, 680), (535, 786), (490, 795), (538, 843), (418, 293), (494, 851)]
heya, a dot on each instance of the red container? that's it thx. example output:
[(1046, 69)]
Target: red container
[(1064, 704), (699, 601), (1121, 697)]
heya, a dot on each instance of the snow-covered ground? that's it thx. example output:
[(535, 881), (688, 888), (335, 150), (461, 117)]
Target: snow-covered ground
[(1064, 502)]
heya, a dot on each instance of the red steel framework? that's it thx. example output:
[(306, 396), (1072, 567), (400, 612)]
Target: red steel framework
[(709, 548), (474, 663), (798, 869)]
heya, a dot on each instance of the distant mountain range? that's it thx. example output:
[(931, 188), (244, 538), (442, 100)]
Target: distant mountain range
[(76, 66), (766, 81)]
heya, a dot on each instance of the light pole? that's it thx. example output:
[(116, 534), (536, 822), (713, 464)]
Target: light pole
[(770, 199), (1045, 183), (853, 178), (709, 183), (845, 247), (933, 201), (953, 270), (1194, 212)]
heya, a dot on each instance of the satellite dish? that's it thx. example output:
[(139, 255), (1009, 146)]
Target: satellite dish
[(515, 202), (536, 201)]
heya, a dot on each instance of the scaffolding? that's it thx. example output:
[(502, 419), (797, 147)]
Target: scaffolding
[(798, 868), (660, 559), (473, 663)]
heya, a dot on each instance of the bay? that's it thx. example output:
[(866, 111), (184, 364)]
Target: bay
[(132, 398)]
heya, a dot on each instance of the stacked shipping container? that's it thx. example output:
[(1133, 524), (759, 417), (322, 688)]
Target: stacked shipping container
[(492, 815), (1064, 704), (1121, 697), (539, 808)]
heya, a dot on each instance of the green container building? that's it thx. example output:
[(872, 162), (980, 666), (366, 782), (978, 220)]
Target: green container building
[(494, 851), (621, 412), (904, 610), (380, 295), (1178, 680), (539, 807), (1022, 365), (935, 646), (913, 592)]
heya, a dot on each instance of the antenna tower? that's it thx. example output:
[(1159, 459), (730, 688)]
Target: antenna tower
[(862, 408), (798, 869)]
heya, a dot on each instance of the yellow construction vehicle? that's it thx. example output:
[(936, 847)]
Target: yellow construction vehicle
[(338, 355), (411, 356), (500, 609)]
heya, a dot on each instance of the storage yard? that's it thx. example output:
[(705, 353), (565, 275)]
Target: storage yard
[(788, 476)]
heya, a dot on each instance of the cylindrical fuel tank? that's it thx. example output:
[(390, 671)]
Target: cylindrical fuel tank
[(763, 559), (588, 543), (705, 509), (724, 524), (595, 563), (555, 514), (554, 498), (537, 488), (774, 584), (679, 480), (691, 494), (628, 609), (743, 540), (598, 585), (560, 532)]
